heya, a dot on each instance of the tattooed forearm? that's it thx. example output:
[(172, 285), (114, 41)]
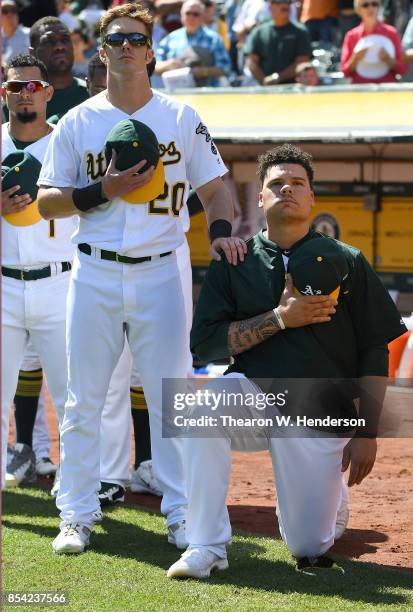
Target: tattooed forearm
[(243, 335)]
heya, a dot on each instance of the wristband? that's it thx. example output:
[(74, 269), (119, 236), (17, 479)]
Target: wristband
[(280, 321), (220, 228), (88, 197)]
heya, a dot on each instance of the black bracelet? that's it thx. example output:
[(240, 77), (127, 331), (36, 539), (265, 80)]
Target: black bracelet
[(221, 228), (89, 197)]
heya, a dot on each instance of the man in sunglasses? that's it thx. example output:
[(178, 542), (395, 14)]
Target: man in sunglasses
[(126, 277), (276, 47), (36, 259), (372, 51)]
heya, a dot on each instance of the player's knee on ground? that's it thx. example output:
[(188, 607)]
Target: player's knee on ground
[(308, 545)]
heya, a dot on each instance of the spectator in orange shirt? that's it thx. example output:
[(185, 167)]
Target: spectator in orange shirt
[(320, 17)]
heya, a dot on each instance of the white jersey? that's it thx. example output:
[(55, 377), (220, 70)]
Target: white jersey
[(75, 158), (44, 242)]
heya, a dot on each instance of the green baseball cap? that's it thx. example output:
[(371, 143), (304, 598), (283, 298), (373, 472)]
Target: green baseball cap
[(21, 168), (134, 141), (318, 267)]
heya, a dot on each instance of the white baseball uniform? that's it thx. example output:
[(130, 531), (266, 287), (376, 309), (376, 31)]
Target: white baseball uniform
[(35, 309), (115, 429), (107, 298)]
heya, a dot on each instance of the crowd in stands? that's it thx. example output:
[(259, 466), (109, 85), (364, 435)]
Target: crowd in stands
[(216, 43)]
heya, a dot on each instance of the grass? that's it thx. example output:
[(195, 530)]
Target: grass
[(125, 569)]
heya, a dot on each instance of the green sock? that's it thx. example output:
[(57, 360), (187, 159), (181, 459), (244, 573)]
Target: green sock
[(26, 401), (141, 429)]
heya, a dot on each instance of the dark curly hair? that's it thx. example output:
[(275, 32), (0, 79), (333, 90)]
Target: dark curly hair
[(27, 61), (285, 154)]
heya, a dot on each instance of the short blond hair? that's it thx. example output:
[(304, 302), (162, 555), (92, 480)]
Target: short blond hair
[(131, 10)]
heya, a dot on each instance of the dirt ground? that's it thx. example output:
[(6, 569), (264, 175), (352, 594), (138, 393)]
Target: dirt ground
[(381, 508)]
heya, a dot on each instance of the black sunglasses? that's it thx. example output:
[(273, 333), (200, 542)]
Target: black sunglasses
[(30, 86), (136, 39), (367, 4)]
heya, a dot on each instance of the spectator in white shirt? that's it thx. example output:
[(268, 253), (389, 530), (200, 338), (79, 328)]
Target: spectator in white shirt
[(15, 37)]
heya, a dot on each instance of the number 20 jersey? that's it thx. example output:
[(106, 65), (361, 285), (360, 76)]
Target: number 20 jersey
[(75, 158)]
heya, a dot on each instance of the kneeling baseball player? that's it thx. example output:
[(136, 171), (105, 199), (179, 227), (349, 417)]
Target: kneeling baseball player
[(248, 313)]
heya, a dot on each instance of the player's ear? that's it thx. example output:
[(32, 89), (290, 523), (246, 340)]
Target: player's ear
[(149, 55), (260, 200), (312, 198), (49, 93), (102, 55)]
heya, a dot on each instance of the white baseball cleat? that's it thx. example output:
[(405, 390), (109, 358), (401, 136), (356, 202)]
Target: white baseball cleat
[(21, 468), (177, 535), (45, 467), (144, 481), (97, 516), (197, 563), (72, 539)]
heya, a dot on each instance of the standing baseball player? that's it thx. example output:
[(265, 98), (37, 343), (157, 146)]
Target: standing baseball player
[(36, 254), (248, 313), (116, 421), (125, 276)]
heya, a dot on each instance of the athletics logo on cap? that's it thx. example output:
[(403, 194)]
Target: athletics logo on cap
[(318, 267), (134, 141), (21, 168)]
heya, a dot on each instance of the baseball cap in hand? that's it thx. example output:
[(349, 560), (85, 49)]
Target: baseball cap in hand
[(318, 267), (21, 168), (134, 141)]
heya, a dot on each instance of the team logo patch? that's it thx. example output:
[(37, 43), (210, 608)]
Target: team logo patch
[(308, 290), (96, 166), (202, 129), (326, 224)]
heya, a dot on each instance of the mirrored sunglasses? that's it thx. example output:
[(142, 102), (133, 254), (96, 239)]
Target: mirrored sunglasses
[(30, 86), (136, 39)]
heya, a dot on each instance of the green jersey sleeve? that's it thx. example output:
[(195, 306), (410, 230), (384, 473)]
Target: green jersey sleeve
[(375, 317), (213, 315)]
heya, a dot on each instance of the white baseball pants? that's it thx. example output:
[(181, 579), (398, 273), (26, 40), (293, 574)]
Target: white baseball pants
[(107, 299), (308, 478), (35, 310), (115, 432)]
